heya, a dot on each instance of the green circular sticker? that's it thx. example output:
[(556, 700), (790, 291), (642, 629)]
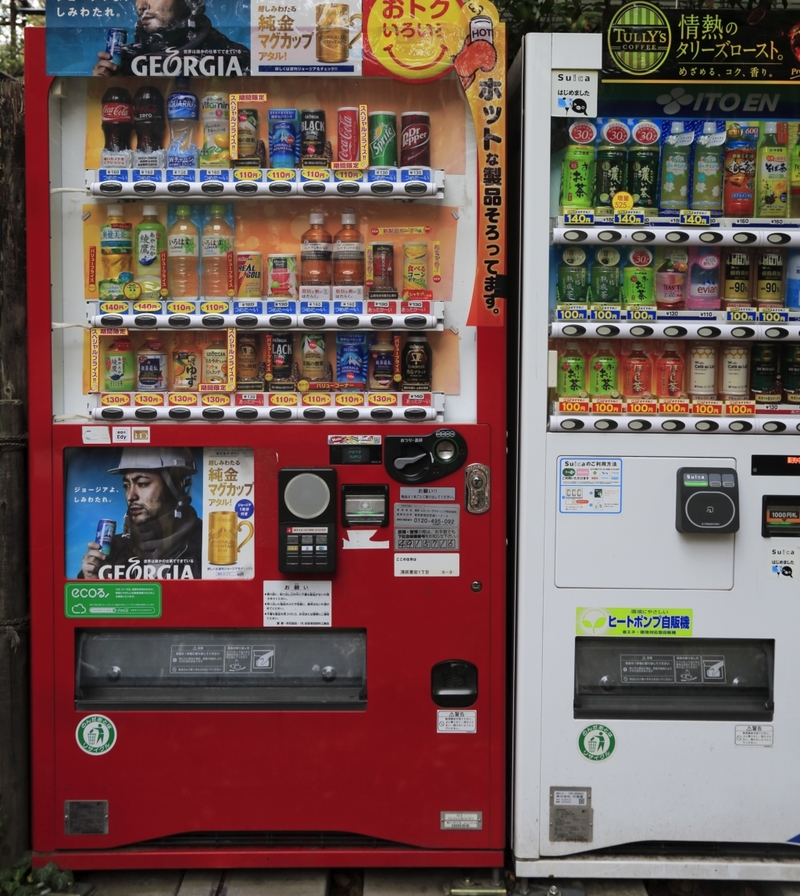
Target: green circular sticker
[(96, 734), (596, 742)]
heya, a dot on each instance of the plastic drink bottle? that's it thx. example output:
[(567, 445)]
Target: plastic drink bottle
[(185, 364), (182, 112), (794, 179), (348, 253), (315, 253), (578, 169), (117, 118), (637, 373), (669, 372), (772, 165), (119, 374), (151, 366), (703, 285), (116, 254), (571, 371), (675, 167), (148, 122), (217, 249), (182, 255), (793, 280), (214, 113), (707, 169), (643, 164), (612, 167), (149, 241), (603, 372), (738, 198)]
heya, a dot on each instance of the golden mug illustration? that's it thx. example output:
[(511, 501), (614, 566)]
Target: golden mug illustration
[(224, 527), (333, 27)]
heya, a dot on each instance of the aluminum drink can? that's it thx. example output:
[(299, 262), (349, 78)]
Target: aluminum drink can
[(764, 370), (415, 266), (280, 360), (106, 530), (248, 275), (383, 139), (115, 38), (790, 371), (348, 144), (248, 133), (415, 140), (312, 134), (282, 276), (284, 138), (382, 265)]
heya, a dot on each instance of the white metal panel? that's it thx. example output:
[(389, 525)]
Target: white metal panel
[(578, 51)]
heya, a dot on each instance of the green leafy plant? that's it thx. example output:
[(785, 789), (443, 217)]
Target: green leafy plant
[(23, 880)]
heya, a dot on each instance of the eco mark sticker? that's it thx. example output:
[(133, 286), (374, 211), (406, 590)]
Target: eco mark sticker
[(633, 621), (96, 734), (596, 742)]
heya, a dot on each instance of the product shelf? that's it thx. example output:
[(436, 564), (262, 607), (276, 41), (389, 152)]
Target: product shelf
[(262, 183)]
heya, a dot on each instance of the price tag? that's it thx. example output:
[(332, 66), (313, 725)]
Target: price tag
[(634, 216), (578, 216), (695, 219), (642, 406), (773, 316), (609, 406), (740, 408), (645, 312), (606, 312), (572, 312), (708, 408), (572, 406), (674, 406), (742, 314)]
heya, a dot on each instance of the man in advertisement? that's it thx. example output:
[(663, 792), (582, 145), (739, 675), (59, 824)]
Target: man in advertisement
[(162, 535), (172, 32)]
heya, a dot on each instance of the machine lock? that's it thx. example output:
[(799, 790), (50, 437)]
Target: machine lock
[(477, 478)]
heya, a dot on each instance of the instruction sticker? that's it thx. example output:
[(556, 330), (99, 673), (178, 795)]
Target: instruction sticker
[(425, 527), (754, 735), (434, 565), (427, 493), (590, 485), (457, 721), (289, 604), (782, 562)]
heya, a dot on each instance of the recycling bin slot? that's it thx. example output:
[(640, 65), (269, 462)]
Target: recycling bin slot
[(218, 669), (701, 679)]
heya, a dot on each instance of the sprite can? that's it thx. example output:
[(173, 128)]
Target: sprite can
[(382, 139)]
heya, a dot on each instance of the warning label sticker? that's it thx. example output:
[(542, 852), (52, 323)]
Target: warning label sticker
[(754, 735), (457, 721)]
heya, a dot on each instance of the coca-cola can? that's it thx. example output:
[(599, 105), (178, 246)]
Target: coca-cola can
[(415, 140), (348, 147), (115, 38)]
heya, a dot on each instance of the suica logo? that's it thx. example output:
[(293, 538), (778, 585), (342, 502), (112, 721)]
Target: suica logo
[(712, 101)]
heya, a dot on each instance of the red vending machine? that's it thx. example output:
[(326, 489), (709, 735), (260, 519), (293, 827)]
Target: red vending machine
[(267, 341)]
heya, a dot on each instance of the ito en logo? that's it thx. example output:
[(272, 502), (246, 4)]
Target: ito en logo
[(96, 734), (596, 742), (674, 100), (592, 621)]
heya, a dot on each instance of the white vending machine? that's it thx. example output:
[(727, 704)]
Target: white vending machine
[(657, 547)]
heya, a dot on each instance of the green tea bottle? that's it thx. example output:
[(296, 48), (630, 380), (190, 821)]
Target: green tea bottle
[(578, 170)]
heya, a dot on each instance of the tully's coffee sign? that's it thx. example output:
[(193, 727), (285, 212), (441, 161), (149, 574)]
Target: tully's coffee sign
[(646, 43)]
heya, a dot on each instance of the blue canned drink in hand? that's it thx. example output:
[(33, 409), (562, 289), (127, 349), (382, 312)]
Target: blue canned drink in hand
[(114, 40), (106, 529)]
